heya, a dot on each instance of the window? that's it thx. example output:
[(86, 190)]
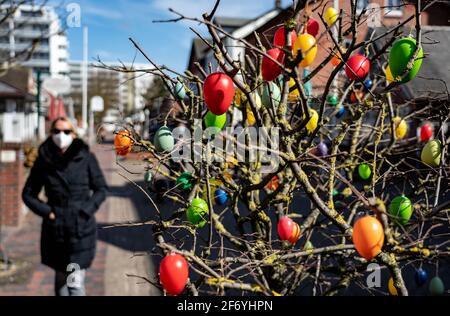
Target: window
[(361, 5), (393, 8)]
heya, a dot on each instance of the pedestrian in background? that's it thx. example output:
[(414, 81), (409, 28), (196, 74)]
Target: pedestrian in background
[(75, 188)]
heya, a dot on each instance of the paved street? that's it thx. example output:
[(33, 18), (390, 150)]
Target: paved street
[(120, 251)]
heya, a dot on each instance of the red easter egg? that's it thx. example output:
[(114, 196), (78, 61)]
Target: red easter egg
[(312, 27), (270, 70), (288, 230), (173, 273), (279, 40), (218, 91), (358, 66), (295, 234), (426, 132)]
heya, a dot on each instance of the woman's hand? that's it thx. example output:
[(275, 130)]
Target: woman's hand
[(52, 216)]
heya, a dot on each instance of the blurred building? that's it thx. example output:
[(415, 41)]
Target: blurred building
[(120, 90), (18, 125), (33, 37)]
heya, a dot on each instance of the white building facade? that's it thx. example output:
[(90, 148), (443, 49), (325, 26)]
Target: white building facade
[(129, 87), (33, 37)]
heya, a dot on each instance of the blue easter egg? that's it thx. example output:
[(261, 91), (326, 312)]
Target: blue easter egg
[(341, 111), (220, 196), (421, 277), (368, 84)]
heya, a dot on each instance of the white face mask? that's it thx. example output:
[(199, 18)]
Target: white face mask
[(62, 140)]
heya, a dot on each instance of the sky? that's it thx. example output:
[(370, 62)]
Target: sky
[(111, 22)]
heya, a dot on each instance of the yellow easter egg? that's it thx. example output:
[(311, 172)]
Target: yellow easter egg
[(389, 77), (401, 127), (294, 94), (313, 121), (306, 43), (391, 287), (331, 15)]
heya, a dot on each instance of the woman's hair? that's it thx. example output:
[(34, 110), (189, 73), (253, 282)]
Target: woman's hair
[(64, 119)]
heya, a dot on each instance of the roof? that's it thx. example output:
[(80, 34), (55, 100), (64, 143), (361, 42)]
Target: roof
[(230, 22), (434, 73), (238, 27)]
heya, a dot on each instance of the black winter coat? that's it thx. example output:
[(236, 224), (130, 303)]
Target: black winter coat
[(75, 188)]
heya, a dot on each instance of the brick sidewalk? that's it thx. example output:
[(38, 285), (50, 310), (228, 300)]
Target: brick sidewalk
[(24, 243)]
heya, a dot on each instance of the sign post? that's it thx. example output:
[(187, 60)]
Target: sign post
[(97, 105)]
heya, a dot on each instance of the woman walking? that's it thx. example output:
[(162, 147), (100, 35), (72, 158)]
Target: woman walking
[(75, 188)]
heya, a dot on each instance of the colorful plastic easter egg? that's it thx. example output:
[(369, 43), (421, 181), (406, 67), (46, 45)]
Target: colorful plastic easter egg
[(180, 92), (426, 132), (148, 176), (272, 184), (358, 66), (271, 94), (333, 99), (307, 86), (269, 69), (401, 52), (218, 90), (306, 43), (391, 287), (355, 96), (436, 286), (322, 149), (312, 27), (313, 121), (389, 77), (221, 197), (341, 111), (123, 142), (279, 37), (431, 153), (163, 140), (401, 127), (185, 181), (368, 84), (337, 57), (197, 212), (174, 273), (368, 237), (217, 121), (293, 95), (364, 171), (288, 230), (308, 245), (401, 209), (421, 277), (330, 16)]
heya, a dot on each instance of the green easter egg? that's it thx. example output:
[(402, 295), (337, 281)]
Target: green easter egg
[(163, 140), (185, 181), (364, 171), (308, 246), (436, 286), (401, 52), (148, 176), (180, 92), (401, 209), (271, 91), (431, 153), (216, 121), (333, 99), (197, 212)]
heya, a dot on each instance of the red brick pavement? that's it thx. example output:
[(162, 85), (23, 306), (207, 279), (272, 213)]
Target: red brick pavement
[(23, 244)]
